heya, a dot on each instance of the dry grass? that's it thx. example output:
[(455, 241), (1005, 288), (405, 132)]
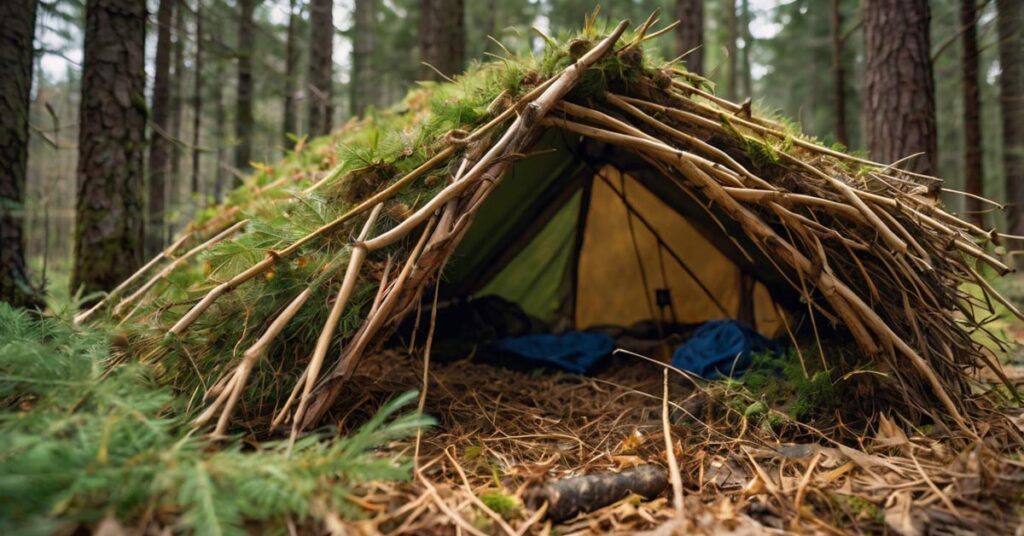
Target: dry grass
[(501, 432)]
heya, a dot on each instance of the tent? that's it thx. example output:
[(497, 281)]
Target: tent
[(591, 185)]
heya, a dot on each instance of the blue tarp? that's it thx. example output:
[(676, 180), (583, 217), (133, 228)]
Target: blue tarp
[(720, 348), (572, 351)]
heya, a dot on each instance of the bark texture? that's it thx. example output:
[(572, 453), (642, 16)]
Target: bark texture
[(899, 91), (972, 113), (442, 38), (1011, 96), (17, 25), (111, 145), (690, 33), (839, 75), (362, 56), (321, 66), (243, 99), (159, 146), (291, 66)]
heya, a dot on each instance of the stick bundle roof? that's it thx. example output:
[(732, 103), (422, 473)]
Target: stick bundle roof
[(269, 302)]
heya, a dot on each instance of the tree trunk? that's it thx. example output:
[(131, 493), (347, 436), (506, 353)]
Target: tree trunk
[(243, 99), (732, 89), (111, 144), (839, 75), (291, 66), (177, 96), (748, 42), (1011, 96), (159, 146), (321, 66), (17, 27), (899, 103), (197, 102), (362, 53), (442, 38), (219, 118), (690, 33), (972, 113)]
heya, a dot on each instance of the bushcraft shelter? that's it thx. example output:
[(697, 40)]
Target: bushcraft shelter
[(592, 185)]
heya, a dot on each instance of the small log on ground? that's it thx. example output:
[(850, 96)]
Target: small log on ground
[(571, 496)]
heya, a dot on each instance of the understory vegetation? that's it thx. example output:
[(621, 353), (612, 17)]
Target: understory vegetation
[(86, 437)]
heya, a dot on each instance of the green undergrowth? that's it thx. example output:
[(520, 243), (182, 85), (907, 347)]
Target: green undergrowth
[(775, 390), (83, 437)]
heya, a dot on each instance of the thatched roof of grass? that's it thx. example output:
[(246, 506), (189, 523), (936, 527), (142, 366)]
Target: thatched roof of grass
[(275, 296)]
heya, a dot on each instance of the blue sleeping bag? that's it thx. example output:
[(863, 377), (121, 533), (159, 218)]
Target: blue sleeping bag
[(720, 348), (572, 351)]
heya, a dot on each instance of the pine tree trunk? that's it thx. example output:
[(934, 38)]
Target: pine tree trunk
[(220, 116), (291, 66), (839, 75), (899, 103), (177, 97), (320, 79), (17, 27), (1011, 96), (243, 99), (362, 56), (748, 41), (111, 144), (442, 38), (972, 113), (690, 33), (197, 102), (159, 146), (732, 89)]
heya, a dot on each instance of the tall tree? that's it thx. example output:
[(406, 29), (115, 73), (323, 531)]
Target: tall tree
[(748, 42), (1011, 95), (17, 25), (111, 144), (244, 89), (899, 102), (197, 100), (363, 29), (732, 34), (839, 75), (291, 68), (177, 91), (690, 33), (320, 80), (972, 112), (159, 147), (442, 38)]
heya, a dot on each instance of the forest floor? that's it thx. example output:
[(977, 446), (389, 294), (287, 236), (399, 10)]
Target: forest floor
[(754, 457)]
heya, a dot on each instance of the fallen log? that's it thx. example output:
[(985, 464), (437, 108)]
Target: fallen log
[(571, 496)]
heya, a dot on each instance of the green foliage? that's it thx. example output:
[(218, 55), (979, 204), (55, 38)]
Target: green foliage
[(779, 380), (84, 435), (502, 504)]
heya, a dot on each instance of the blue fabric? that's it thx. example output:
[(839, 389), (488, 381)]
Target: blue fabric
[(712, 350), (572, 351)]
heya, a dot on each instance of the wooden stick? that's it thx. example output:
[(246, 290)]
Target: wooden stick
[(831, 287), (186, 320), (165, 254), (252, 355), (348, 284), (166, 271)]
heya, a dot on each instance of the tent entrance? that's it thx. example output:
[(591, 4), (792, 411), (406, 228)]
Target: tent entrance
[(608, 251)]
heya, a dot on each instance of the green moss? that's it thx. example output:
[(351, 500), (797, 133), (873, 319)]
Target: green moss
[(507, 506)]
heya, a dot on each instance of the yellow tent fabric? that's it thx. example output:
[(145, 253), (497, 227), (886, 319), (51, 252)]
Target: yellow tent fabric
[(622, 265)]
